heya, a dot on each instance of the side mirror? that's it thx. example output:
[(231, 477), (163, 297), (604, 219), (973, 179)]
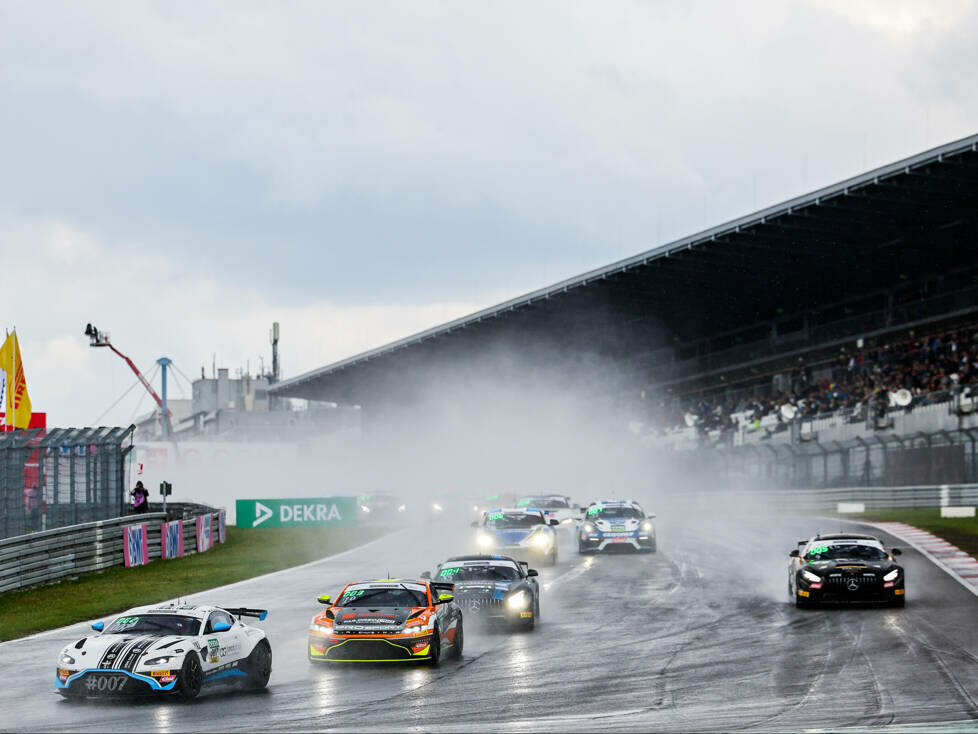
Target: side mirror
[(794, 553), (651, 516), (98, 626), (554, 521), (445, 598), (221, 627), (474, 524), (425, 575), (324, 599), (532, 572), (896, 552)]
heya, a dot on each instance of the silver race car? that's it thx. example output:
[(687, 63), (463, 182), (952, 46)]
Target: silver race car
[(166, 649)]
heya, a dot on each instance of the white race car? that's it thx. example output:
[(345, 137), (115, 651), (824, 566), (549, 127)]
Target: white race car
[(557, 506), (616, 525), (164, 649)]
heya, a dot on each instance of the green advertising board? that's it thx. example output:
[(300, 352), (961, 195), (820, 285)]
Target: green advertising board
[(310, 512)]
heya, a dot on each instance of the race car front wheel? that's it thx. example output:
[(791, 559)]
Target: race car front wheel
[(259, 665), (435, 650), (191, 676), (530, 623), (459, 641)]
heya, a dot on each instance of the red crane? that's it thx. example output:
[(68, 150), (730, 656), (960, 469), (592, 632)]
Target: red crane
[(101, 339)]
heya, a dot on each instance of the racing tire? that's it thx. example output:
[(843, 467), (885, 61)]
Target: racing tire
[(654, 547), (529, 624), (459, 641), (435, 649), (258, 666), (900, 601), (191, 677)]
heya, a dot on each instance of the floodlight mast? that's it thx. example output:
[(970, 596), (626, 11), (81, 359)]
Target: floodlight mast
[(98, 338)]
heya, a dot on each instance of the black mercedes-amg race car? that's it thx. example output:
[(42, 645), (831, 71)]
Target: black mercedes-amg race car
[(845, 567), (492, 588)]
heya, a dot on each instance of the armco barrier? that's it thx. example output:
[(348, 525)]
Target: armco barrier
[(874, 498), (55, 555)]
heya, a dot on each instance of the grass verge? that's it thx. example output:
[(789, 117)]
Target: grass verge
[(246, 553), (961, 531)]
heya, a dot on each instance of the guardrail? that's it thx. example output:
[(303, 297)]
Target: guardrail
[(876, 498), (64, 553)]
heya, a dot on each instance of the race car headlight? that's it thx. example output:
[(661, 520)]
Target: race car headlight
[(567, 521), (485, 540), (646, 527), (401, 508), (67, 659), (891, 576), (364, 508), (436, 507), (542, 540), (587, 528), (810, 577), (418, 627), (164, 660), (518, 600), (321, 628)]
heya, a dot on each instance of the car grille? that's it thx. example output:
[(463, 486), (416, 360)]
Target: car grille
[(478, 603), (108, 683), (854, 582), (368, 650)]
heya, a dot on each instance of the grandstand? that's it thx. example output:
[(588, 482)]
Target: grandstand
[(813, 319)]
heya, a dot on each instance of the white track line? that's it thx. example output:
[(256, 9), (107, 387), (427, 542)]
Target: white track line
[(570, 573)]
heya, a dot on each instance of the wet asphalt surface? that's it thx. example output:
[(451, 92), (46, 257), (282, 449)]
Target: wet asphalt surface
[(698, 637)]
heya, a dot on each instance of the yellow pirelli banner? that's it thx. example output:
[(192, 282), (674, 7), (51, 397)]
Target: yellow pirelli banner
[(17, 401)]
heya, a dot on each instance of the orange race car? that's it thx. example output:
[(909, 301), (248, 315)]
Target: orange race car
[(389, 620)]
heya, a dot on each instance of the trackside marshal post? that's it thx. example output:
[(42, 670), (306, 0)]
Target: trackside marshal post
[(314, 512)]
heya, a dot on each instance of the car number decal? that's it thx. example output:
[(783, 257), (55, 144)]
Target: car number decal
[(105, 683)]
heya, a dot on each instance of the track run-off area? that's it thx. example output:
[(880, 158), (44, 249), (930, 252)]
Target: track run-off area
[(699, 636)]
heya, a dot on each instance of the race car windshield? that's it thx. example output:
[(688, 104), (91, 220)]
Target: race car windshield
[(615, 513), (478, 573), (547, 503), (512, 520), (386, 597), (154, 624), (845, 551)]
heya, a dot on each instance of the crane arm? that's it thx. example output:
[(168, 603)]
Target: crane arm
[(132, 366)]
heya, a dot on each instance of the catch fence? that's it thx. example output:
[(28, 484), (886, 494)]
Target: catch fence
[(51, 478), (879, 460)]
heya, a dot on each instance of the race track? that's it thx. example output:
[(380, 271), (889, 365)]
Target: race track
[(696, 637)]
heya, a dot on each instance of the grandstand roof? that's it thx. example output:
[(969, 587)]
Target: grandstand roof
[(890, 224)]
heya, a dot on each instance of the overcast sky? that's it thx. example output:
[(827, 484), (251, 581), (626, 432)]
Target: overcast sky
[(183, 174)]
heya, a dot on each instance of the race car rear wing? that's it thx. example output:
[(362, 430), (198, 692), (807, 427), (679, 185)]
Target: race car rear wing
[(240, 612)]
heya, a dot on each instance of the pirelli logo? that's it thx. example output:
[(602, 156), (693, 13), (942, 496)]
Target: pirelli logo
[(160, 673)]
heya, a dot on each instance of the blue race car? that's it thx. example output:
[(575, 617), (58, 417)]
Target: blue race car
[(616, 525), (519, 532)]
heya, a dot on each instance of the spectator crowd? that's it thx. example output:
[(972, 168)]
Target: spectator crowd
[(929, 368)]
